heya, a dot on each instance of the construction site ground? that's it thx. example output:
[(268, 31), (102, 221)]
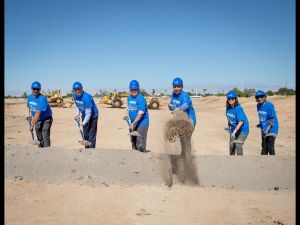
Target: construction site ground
[(112, 184)]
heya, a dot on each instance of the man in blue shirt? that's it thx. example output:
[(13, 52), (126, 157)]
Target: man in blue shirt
[(180, 100), (86, 107), (238, 124), (138, 114), (268, 123), (40, 115)]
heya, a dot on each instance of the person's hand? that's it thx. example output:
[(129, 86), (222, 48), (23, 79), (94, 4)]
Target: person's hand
[(31, 128), (171, 107), (76, 118), (132, 126), (266, 131), (233, 135)]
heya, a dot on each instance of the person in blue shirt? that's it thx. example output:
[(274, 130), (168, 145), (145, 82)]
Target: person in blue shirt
[(137, 112), (180, 100), (86, 107), (40, 115), (268, 123), (238, 125)]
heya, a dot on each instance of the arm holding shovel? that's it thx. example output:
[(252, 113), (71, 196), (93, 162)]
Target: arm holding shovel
[(131, 125), (35, 119), (29, 119), (139, 116)]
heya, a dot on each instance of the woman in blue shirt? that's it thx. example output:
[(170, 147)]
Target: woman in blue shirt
[(238, 125), (268, 123), (138, 114)]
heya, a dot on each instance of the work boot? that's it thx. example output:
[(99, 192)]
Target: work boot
[(40, 145)]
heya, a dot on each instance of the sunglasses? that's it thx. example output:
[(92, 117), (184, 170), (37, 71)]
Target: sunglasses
[(177, 86), (78, 89), (257, 97), (36, 89), (231, 98)]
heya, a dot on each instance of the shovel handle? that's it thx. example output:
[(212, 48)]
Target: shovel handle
[(78, 124), (127, 120), (29, 119)]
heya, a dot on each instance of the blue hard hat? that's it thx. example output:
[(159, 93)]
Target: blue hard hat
[(177, 81), (260, 93), (77, 85), (134, 85), (36, 84), (231, 94)]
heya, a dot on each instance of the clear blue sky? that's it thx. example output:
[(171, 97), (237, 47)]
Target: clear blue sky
[(105, 44)]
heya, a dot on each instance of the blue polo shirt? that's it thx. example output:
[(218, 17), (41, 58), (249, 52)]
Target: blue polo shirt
[(265, 113), (135, 104), (39, 103), (184, 102), (86, 101), (234, 116)]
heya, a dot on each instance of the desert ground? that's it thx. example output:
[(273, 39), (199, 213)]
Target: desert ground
[(112, 184)]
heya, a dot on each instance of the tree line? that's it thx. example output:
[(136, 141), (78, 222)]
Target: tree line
[(245, 93)]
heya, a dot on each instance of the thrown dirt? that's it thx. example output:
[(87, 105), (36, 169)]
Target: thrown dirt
[(179, 127)]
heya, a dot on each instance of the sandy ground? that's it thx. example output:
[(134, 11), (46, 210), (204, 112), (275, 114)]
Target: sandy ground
[(66, 184)]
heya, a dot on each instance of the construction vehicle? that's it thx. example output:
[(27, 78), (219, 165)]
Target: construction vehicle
[(153, 102), (54, 98), (113, 99)]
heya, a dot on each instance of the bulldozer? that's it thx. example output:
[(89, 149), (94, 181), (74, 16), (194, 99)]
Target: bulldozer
[(54, 98), (153, 102), (113, 99)]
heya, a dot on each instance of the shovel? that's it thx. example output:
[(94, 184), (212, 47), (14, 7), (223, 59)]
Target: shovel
[(83, 142), (234, 141), (33, 141), (131, 132)]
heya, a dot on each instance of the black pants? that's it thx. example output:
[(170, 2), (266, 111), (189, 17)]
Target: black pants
[(268, 145), (90, 132), (42, 130)]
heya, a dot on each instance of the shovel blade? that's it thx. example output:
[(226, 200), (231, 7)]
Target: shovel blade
[(237, 142), (85, 143), (134, 133), (34, 142)]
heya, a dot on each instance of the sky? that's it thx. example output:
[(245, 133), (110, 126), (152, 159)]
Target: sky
[(106, 44)]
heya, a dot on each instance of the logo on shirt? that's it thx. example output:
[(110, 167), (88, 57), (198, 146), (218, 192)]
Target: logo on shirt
[(32, 106), (262, 115)]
